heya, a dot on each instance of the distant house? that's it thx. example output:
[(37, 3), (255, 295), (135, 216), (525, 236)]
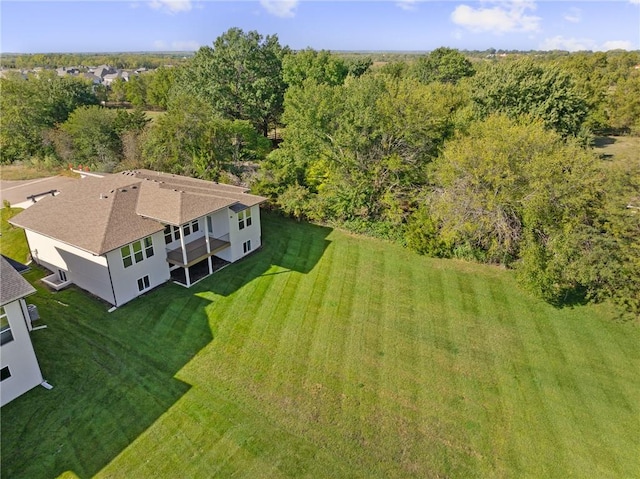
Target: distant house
[(109, 78), (122, 235), (102, 70), (19, 368), (96, 80)]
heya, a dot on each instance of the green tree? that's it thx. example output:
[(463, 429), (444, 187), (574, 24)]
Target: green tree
[(523, 87), (136, 90), (240, 77), (317, 66), (93, 134), (118, 90), (361, 148), (30, 107), (359, 66), (190, 139), (443, 64), (623, 104), (159, 85), (505, 182)]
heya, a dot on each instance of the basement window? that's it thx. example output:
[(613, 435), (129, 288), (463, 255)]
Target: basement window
[(143, 283), (5, 373)]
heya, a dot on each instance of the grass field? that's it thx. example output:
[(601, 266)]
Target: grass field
[(623, 150), (12, 240), (327, 355)]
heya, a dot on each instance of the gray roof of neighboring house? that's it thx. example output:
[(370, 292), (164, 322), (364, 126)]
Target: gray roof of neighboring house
[(12, 285), (102, 214)]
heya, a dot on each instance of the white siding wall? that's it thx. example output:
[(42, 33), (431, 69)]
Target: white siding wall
[(193, 236), (84, 269), (238, 236), (220, 223), (125, 280), (18, 355)]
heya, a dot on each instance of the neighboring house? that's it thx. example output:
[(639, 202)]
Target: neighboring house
[(96, 80), (119, 236), (19, 367), (109, 78)]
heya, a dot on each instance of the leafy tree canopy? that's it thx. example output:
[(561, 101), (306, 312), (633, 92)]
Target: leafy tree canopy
[(524, 87), (446, 65), (240, 77), (317, 66)]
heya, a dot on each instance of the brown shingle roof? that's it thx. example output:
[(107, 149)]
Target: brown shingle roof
[(101, 214), (170, 205), (95, 214), (12, 285)]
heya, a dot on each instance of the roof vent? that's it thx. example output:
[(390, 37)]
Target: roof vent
[(134, 187), (123, 190)]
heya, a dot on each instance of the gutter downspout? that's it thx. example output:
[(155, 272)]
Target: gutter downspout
[(115, 301)]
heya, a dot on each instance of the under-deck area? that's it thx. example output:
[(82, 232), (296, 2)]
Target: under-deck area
[(197, 271)]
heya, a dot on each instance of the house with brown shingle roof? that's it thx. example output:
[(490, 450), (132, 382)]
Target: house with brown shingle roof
[(121, 235), (19, 368)]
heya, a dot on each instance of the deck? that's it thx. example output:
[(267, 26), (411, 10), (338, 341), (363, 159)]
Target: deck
[(197, 251)]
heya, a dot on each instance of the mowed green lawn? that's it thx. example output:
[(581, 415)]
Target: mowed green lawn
[(327, 355)]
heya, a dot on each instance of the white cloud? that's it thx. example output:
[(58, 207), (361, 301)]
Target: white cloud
[(569, 44), (617, 45), (407, 5), (635, 2), (176, 46), (506, 16), (581, 44), (280, 8), (171, 6), (574, 15)]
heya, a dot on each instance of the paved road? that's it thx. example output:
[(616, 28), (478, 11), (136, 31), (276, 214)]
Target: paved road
[(17, 191)]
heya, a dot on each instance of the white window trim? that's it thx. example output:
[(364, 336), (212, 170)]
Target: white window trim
[(146, 283), (7, 328), (144, 251)]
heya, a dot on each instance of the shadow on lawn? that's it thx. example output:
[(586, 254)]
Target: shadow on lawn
[(286, 245), (113, 377)]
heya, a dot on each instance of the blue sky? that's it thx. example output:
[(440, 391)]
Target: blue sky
[(407, 25)]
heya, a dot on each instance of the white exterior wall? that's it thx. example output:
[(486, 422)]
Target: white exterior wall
[(84, 269), (220, 223), (187, 239), (237, 236), (125, 280), (18, 355)]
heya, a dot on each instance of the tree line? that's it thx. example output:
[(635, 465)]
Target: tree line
[(486, 159)]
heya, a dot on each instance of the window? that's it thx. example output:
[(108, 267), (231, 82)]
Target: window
[(246, 246), (5, 373), (209, 224), (168, 238), (62, 275), (176, 233), (244, 219), (143, 283), (125, 251), (137, 251), (187, 229), (5, 328), (195, 226), (139, 254), (148, 246)]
